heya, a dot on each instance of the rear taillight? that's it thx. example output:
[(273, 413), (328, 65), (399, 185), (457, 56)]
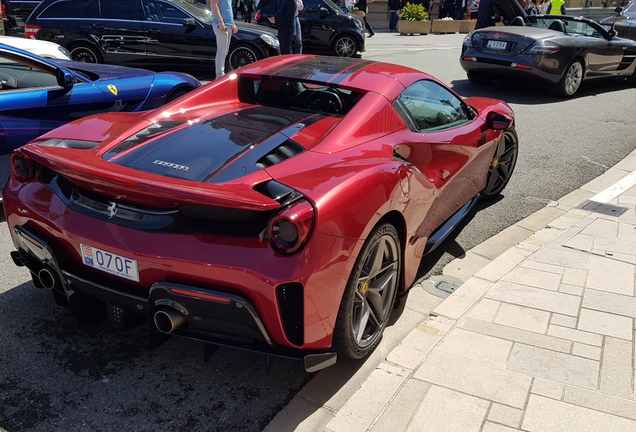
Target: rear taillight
[(257, 17), (3, 11), (290, 229), (31, 31), (22, 166)]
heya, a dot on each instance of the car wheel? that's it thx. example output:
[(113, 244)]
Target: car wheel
[(85, 53), (502, 165), (241, 55), (571, 80), (177, 94), (370, 294), (345, 46)]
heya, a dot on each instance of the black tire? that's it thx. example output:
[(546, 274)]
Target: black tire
[(241, 55), (370, 294), (502, 165), (477, 78), (85, 53), (345, 46), (177, 94), (571, 79)]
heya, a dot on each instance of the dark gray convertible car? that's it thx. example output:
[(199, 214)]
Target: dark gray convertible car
[(557, 50)]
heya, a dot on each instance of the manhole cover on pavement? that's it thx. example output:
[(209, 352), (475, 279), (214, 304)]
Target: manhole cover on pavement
[(441, 287)]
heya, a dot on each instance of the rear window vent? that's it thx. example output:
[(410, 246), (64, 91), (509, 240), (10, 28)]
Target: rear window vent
[(285, 151)]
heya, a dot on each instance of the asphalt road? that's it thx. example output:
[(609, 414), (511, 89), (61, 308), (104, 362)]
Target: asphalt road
[(57, 375)]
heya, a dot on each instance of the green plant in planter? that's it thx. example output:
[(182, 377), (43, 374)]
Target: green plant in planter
[(414, 12)]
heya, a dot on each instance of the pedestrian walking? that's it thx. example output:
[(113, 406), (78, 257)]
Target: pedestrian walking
[(286, 11), (394, 9), (248, 9), (224, 28), (362, 5)]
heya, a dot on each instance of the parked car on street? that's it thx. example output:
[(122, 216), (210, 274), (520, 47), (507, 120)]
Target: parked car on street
[(557, 50), (38, 94), (624, 21), (157, 34), (44, 49), (15, 13), (325, 28), (281, 208)]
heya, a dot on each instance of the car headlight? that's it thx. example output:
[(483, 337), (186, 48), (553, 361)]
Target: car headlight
[(544, 47), (64, 51), (270, 40)]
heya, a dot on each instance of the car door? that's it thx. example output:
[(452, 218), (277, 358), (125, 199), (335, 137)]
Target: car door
[(116, 26), (32, 102), (603, 55), (317, 25), (174, 33), (447, 144)]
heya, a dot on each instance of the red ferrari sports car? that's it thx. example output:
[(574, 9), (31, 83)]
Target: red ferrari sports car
[(281, 208)]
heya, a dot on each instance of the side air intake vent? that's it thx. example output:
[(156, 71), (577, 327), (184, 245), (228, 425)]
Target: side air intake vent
[(291, 304), (286, 150)]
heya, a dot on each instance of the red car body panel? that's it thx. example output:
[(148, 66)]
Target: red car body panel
[(356, 170)]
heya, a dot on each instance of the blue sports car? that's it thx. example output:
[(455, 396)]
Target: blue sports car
[(37, 94)]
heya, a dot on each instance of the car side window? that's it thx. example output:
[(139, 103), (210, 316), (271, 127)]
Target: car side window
[(431, 107), (111, 9), (163, 12), (312, 5), (16, 75), (64, 9)]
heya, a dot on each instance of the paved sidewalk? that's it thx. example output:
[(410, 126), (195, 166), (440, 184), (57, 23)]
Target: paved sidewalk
[(539, 339)]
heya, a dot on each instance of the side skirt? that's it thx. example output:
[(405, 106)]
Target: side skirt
[(447, 227)]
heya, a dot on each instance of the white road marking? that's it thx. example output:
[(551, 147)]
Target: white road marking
[(616, 189)]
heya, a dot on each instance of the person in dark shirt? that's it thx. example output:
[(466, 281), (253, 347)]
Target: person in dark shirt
[(284, 17), (486, 14), (362, 5), (394, 8)]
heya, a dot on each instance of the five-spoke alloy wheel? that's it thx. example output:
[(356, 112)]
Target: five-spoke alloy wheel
[(502, 164)]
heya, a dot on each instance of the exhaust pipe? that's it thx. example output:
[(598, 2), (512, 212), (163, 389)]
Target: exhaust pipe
[(47, 277), (168, 320)]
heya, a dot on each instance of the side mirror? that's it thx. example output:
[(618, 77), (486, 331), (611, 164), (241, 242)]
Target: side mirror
[(618, 10), (65, 79), (323, 11), (497, 121), (189, 22)]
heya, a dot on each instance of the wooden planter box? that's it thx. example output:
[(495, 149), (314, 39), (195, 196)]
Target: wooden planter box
[(414, 27), (467, 26), (445, 26)]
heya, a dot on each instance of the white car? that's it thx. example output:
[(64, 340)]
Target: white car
[(44, 49)]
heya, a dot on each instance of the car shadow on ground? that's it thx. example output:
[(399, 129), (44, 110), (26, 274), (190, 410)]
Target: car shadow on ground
[(532, 94)]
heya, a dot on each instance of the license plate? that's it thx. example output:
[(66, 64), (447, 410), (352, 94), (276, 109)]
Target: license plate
[(496, 44), (110, 263)]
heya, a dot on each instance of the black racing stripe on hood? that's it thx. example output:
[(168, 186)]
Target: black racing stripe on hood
[(202, 150), (332, 70)]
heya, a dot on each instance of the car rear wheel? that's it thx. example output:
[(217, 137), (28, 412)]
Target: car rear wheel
[(571, 80), (241, 55), (502, 165), (370, 294), (345, 46), (85, 53)]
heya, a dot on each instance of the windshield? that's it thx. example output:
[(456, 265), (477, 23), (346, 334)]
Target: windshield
[(630, 9), (196, 9)]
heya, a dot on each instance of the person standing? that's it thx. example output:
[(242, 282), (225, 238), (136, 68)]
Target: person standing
[(556, 7), (394, 9), (247, 10), (486, 14), (362, 6), (474, 7), (286, 12), (224, 27), (297, 41)]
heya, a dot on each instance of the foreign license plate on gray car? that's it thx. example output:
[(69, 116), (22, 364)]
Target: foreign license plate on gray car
[(495, 44)]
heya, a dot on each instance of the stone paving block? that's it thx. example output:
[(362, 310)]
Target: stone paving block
[(572, 276), (563, 320), (614, 246), (600, 402), (475, 378), (465, 267), (580, 242), (420, 301), (599, 184), (627, 232), (561, 256), (503, 264), (556, 366), (517, 335), (547, 388), (544, 236), (540, 219), (629, 217), (463, 298), (610, 302), (498, 244), (536, 298), (378, 389), (547, 268), (606, 324), (575, 335), (587, 351), (544, 414), (495, 427), (617, 373), (566, 221), (398, 414), (485, 310), (476, 346), (505, 415), (626, 258), (602, 228), (576, 290), (300, 415), (573, 199), (534, 278), (610, 275), (414, 348), (445, 409), (533, 320)]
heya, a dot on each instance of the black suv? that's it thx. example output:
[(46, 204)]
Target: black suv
[(155, 34), (15, 13), (325, 27)]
